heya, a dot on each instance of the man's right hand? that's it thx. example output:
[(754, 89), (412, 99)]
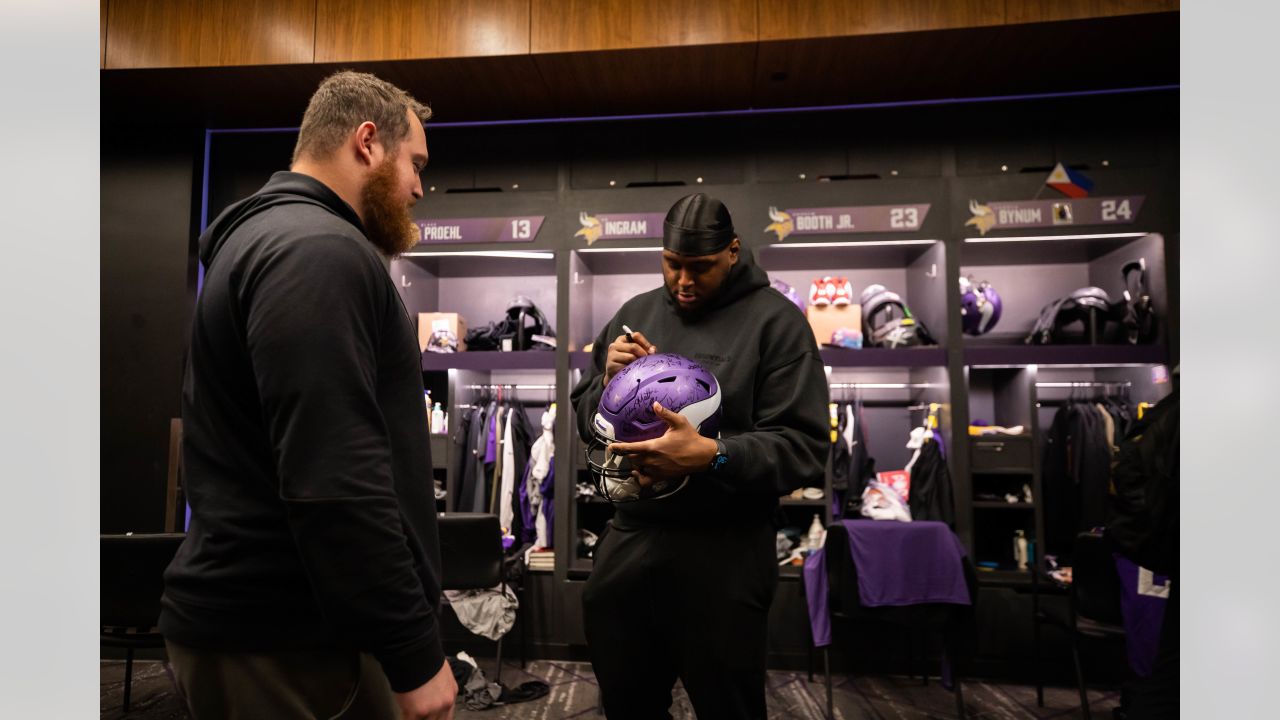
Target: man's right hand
[(433, 700), (623, 353)]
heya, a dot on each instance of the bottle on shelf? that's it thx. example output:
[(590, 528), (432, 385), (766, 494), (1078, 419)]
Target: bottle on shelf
[(816, 532), (437, 419), (1020, 548)]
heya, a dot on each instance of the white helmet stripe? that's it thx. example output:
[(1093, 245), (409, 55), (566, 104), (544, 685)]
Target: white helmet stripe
[(699, 412)]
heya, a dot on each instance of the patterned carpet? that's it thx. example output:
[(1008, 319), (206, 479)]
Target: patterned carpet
[(573, 695)]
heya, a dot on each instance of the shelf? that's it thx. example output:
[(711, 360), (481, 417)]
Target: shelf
[(1053, 249), (580, 568), (1003, 577), (885, 357), (1087, 355), (820, 502), (528, 360), (836, 357), (1002, 505)]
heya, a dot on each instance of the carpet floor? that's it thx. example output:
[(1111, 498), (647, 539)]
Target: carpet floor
[(574, 695)]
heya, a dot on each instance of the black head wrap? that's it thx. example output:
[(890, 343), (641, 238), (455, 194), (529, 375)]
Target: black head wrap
[(697, 224)]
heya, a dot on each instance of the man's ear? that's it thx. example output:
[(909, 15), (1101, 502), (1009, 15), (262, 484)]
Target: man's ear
[(734, 247), (366, 140)]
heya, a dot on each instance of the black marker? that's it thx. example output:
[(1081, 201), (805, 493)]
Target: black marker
[(628, 331)]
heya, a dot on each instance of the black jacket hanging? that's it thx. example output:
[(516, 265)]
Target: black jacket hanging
[(1076, 475), (851, 466), (931, 497)]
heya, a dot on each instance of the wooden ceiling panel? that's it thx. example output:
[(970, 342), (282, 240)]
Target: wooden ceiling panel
[(257, 32), (561, 26), (369, 30), (1127, 51), (471, 28), (152, 33), (1026, 11), (789, 20), (374, 30)]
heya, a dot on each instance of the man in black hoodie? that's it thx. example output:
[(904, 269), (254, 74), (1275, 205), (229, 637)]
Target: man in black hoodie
[(681, 586), (308, 584)]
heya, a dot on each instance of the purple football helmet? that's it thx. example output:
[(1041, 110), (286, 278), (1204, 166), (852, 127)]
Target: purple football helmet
[(626, 415), (980, 307), (788, 292)]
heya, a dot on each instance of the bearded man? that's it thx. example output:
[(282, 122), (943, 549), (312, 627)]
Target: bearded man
[(308, 584)]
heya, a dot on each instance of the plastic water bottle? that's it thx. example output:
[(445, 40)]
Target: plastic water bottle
[(437, 419), (815, 533)]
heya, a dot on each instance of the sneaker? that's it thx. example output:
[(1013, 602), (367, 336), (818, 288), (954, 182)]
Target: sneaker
[(841, 292), (818, 295)]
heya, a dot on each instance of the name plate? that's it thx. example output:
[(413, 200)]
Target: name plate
[(523, 228), (906, 217), (1120, 210)]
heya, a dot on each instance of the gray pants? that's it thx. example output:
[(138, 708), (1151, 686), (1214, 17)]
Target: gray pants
[(284, 685)]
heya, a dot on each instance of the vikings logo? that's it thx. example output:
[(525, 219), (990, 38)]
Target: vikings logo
[(984, 218), (591, 228), (782, 224)]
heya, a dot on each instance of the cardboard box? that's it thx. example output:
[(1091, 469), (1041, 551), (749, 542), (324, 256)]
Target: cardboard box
[(826, 319), (430, 322)]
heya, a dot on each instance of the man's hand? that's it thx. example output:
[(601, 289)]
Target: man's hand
[(433, 700), (678, 452), (623, 353)]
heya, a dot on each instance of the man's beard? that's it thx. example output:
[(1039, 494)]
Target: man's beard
[(387, 221), (706, 302)]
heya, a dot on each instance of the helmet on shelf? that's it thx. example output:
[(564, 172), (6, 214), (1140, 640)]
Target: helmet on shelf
[(626, 414), (980, 307), (788, 292), (888, 323)]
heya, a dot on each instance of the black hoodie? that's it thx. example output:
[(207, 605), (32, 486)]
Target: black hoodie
[(774, 396), (306, 454)]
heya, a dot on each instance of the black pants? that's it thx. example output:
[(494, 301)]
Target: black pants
[(1156, 696), (283, 685), (687, 603)]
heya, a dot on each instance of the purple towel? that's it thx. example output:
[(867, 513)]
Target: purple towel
[(907, 563), (897, 563)]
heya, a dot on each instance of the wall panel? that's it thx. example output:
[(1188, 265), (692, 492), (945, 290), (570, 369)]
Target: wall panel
[(584, 25), (153, 33), (257, 32), (157, 34), (350, 30), (1018, 11), (787, 20)]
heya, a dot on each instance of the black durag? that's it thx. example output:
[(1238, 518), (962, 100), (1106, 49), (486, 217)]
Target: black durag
[(697, 224)]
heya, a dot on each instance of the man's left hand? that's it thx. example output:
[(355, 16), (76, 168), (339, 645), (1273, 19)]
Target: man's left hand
[(678, 452)]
